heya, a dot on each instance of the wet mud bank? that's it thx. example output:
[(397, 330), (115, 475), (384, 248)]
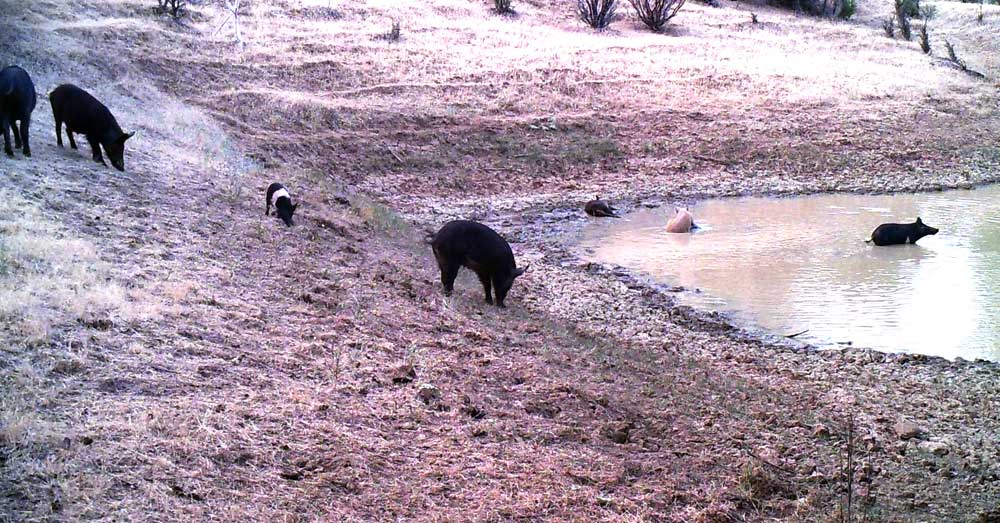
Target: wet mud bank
[(552, 233)]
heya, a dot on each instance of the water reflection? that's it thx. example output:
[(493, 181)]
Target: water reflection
[(802, 263)]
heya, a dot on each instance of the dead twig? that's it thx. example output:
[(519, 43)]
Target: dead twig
[(711, 160)]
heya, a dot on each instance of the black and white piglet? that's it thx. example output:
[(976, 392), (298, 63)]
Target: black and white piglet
[(278, 196)]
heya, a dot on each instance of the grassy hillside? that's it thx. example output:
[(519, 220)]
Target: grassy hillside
[(169, 354)]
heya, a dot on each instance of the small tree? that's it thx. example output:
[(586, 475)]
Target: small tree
[(502, 7), (903, 20), (656, 13), (925, 39), (174, 8), (847, 9), (911, 8), (597, 13), (953, 56), (889, 26)]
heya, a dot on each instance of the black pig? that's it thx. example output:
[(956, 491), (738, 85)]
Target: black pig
[(277, 195), (17, 101), (83, 114), (600, 208), (900, 233), (475, 246)]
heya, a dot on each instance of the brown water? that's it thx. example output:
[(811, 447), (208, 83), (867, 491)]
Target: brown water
[(791, 264)]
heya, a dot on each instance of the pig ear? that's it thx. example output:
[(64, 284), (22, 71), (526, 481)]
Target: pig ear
[(121, 139), (919, 221)]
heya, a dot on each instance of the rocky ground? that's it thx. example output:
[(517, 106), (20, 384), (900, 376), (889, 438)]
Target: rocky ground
[(255, 372)]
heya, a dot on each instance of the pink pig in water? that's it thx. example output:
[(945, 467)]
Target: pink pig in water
[(682, 221)]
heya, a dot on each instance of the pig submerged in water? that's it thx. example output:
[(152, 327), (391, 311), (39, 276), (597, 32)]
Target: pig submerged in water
[(682, 221), (83, 114), (17, 101), (464, 243), (901, 233)]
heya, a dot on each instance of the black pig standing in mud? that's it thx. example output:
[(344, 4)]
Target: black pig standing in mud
[(277, 195), (83, 114), (17, 101), (901, 233), (464, 243)]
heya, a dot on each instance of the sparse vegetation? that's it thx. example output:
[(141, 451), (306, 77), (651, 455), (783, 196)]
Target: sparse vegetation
[(927, 13), (829, 8), (655, 14), (911, 8), (264, 390), (848, 472), (847, 9), (233, 8), (46, 279), (597, 13), (889, 26), (393, 34), (174, 8), (903, 19), (753, 18), (953, 58), (503, 7)]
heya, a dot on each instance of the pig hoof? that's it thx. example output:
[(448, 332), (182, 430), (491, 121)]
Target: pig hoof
[(27, 154), (9, 152)]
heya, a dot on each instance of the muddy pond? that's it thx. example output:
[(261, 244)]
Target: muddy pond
[(788, 265)]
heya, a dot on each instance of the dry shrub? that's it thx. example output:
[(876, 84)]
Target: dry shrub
[(503, 7), (889, 26), (831, 8), (174, 8), (597, 13), (903, 18), (656, 13)]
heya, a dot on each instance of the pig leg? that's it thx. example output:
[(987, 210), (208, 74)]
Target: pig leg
[(59, 132), (95, 146), (16, 132), (449, 271), (5, 127), (487, 286), (69, 134), (25, 124)]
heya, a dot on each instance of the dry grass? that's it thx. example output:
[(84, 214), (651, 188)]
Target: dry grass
[(275, 374), (48, 279)]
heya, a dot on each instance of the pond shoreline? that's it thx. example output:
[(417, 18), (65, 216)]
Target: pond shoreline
[(534, 229)]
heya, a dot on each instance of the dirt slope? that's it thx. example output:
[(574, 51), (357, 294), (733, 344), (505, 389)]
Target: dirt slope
[(250, 372)]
